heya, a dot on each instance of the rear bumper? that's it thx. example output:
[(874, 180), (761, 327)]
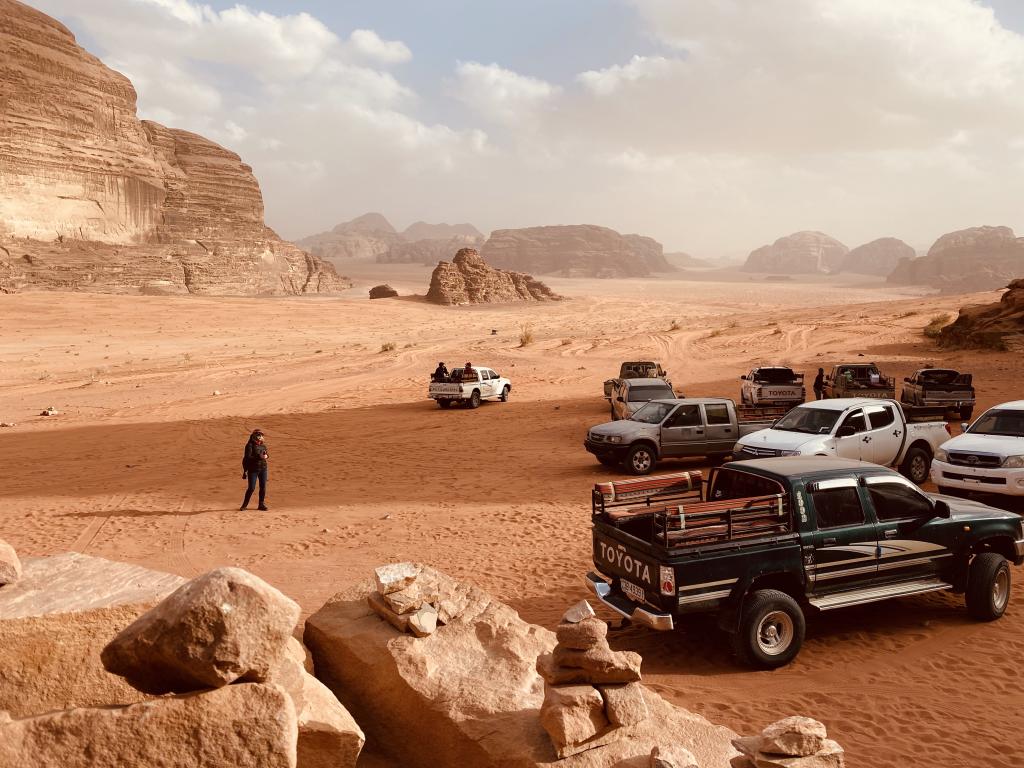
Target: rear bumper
[(623, 606)]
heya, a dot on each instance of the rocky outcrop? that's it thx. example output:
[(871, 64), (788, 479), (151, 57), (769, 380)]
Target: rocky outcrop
[(55, 620), (427, 251), (879, 257), (243, 726), (468, 279), (469, 693), (581, 250), (976, 259), (992, 326), (421, 230), (793, 742), (384, 291), (799, 253), (10, 564), (365, 237), (92, 198)]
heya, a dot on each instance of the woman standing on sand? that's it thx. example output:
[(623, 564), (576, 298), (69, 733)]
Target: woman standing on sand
[(254, 467)]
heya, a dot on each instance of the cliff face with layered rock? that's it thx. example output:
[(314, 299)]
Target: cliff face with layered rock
[(993, 326), (799, 253), (879, 257), (579, 250), (975, 259), (91, 197), (468, 279)]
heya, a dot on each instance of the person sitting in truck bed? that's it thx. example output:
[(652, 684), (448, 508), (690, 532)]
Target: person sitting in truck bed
[(469, 372), (440, 373)]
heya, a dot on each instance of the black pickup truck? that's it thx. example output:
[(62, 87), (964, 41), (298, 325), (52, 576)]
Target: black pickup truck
[(766, 541)]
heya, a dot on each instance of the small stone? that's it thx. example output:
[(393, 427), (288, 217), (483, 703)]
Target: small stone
[(555, 674), (672, 756), (578, 613), (572, 714), (601, 664), (582, 635), (377, 604), (424, 621), (10, 564), (793, 736), (394, 577), (624, 705), (411, 598), (829, 756), (216, 392)]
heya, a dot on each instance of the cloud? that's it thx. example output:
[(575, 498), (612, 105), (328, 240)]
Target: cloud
[(501, 94), (367, 43), (605, 82)]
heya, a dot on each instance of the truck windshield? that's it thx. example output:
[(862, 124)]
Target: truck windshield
[(774, 376), (643, 394), (1004, 423), (652, 413), (813, 421)]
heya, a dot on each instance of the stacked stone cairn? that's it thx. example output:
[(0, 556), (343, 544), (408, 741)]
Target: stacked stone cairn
[(794, 742), (591, 692), (407, 600)]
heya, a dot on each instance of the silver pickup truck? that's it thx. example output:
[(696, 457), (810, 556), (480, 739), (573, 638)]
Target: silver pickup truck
[(675, 428)]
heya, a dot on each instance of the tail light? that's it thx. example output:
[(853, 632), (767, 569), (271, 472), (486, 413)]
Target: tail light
[(949, 429), (667, 577)]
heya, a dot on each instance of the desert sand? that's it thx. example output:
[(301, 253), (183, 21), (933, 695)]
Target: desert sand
[(143, 465)]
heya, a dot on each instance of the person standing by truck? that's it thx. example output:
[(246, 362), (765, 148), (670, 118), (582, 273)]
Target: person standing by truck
[(254, 468), (819, 384)]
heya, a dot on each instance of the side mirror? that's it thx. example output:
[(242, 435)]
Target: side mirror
[(847, 430), (941, 509), (964, 426)]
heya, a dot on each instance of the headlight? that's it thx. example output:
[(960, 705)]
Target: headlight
[(1014, 462), (941, 455), (614, 439)]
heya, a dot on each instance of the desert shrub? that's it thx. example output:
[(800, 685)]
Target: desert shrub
[(675, 326), (525, 334), (566, 342), (715, 333), (777, 331), (388, 346), (935, 326)]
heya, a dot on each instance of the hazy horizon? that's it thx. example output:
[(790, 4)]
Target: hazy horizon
[(715, 128)]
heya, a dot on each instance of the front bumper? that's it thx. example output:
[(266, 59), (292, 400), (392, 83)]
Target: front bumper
[(997, 480), (615, 450), (623, 606)]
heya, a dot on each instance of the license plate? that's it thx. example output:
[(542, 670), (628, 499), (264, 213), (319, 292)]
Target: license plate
[(632, 591)]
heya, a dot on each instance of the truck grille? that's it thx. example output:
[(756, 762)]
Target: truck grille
[(751, 451), (975, 460), (596, 438)]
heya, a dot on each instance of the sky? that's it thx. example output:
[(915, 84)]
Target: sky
[(715, 126)]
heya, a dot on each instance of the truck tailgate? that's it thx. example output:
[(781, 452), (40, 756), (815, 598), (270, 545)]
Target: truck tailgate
[(445, 389), (636, 571)]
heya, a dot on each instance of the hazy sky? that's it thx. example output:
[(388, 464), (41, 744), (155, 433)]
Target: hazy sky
[(712, 125)]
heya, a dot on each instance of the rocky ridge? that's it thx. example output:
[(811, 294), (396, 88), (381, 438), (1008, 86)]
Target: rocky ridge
[(92, 198), (993, 326), (975, 259), (371, 236), (800, 253), (468, 279)]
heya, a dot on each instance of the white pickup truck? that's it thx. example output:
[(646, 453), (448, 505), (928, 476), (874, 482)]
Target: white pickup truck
[(987, 458), (470, 388), (861, 428), (772, 385)]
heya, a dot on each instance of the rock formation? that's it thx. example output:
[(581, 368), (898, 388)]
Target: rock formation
[(794, 742), (364, 237), (993, 326), (93, 198), (879, 257), (468, 279), (421, 230), (10, 564), (799, 253), (384, 291), (469, 693), (427, 251), (581, 250), (681, 259), (976, 259)]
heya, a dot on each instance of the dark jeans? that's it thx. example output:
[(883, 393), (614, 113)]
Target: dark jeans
[(260, 474), (818, 394)]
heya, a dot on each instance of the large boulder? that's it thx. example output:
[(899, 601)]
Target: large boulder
[(10, 564), (241, 726), (224, 626), (975, 259), (992, 326), (879, 257), (384, 291), (55, 621), (468, 279), (469, 693), (799, 253)]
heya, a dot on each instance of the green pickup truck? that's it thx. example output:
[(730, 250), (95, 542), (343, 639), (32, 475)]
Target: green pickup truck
[(764, 542)]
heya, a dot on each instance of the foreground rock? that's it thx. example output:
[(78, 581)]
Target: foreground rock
[(468, 279), (879, 257), (383, 292), (794, 742), (799, 253), (975, 259), (55, 621), (222, 627), (990, 326), (579, 250), (10, 564), (92, 198), (469, 693), (241, 726)]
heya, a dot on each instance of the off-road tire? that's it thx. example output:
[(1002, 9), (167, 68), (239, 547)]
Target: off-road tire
[(988, 586), (966, 413), (444, 404), (474, 399), (771, 630), (640, 459), (916, 465), (504, 393)]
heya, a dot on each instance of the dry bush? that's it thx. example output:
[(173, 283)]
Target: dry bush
[(777, 331), (566, 342), (715, 333), (388, 346), (675, 326), (525, 334), (935, 326)]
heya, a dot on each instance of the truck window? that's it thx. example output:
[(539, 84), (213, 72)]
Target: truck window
[(652, 413), (894, 500), (685, 416), (734, 484), (837, 507), (855, 420), (881, 416), (643, 394), (717, 413)]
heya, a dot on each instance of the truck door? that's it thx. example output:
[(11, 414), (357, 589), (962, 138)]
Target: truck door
[(845, 545), (850, 435), (720, 430), (908, 547), (683, 433), (884, 437)]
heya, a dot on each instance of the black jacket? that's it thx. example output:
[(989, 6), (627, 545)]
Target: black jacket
[(819, 381), (255, 457)]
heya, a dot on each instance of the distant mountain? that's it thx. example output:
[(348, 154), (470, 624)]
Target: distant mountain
[(800, 253), (974, 259), (879, 257), (371, 236), (367, 224), (681, 259), (421, 230)]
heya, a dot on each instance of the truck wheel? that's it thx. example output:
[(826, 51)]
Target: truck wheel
[(771, 630), (916, 465), (988, 586), (641, 459), (474, 399), (444, 404), (966, 412), (504, 393)]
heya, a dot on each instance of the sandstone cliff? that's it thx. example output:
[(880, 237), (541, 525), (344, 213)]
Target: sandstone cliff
[(91, 197), (421, 230), (975, 259), (427, 251), (580, 250), (879, 257), (468, 279), (799, 253), (995, 326)]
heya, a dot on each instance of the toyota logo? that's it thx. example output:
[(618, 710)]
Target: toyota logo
[(972, 459)]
